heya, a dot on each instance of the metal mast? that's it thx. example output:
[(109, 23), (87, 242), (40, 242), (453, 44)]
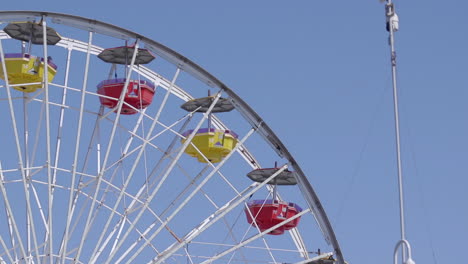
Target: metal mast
[(393, 26)]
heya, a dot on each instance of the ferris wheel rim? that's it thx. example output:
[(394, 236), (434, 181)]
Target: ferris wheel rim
[(203, 75)]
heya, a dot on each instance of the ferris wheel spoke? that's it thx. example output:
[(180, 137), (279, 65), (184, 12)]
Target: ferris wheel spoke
[(84, 166), (253, 238), (20, 155), (72, 229), (186, 189), (294, 233), (26, 134), (187, 117), (120, 226), (215, 217), (212, 202), (267, 247), (119, 162), (142, 236), (113, 110), (6, 250), (199, 186), (39, 207), (233, 237), (61, 122), (108, 151), (94, 135), (165, 129), (61, 119), (26, 161), (167, 152), (48, 143), (11, 217), (142, 189), (10, 232), (188, 255), (146, 141), (169, 169), (82, 174), (299, 242), (132, 134), (201, 154), (102, 204), (137, 160), (139, 197), (37, 138), (216, 168), (71, 198)]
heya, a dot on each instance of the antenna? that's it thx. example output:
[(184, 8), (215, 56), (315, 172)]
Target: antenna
[(392, 25)]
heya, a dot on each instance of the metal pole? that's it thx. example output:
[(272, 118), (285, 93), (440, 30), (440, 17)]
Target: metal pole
[(49, 239), (77, 147), (390, 13), (392, 26)]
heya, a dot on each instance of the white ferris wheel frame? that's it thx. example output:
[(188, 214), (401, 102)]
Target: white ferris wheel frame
[(186, 65)]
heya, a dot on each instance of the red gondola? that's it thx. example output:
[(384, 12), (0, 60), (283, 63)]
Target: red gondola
[(268, 213), (138, 96)]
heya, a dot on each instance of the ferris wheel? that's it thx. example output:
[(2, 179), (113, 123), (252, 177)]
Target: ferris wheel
[(117, 149)]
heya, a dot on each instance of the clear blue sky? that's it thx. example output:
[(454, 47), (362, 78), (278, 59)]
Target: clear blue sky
[(318, 72)]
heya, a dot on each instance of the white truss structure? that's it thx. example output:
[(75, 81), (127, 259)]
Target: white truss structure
[(81, 183)]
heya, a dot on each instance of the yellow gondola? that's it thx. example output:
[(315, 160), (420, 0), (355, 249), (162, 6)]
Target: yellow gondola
[(27, 71), (215, 144)]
